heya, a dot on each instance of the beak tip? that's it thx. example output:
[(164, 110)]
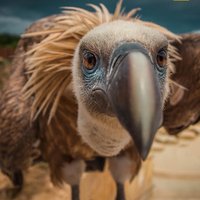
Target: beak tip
[(134, 94), (143, 151), (144, 154), (143, 142)]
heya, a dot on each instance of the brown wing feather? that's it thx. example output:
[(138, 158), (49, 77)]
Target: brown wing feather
[(17, 132), (183, 106)]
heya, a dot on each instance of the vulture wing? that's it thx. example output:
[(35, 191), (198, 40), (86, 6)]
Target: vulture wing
[(17, 132), (183, 106)]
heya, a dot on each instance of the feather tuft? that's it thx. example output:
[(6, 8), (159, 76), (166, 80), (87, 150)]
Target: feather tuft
[(48, 63)]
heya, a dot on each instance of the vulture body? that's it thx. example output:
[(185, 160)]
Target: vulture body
[(47, 105)]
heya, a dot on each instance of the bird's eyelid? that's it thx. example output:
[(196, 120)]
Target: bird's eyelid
[(84, 51), (163, 49), (164, 46), (88, 47), (87, 50)]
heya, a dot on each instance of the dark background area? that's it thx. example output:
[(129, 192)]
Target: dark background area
[(179, 17)]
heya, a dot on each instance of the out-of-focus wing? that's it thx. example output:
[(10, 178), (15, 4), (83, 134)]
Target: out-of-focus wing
[(183, 106)]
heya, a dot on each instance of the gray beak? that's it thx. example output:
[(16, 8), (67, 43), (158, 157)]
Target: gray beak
[(134, 94)]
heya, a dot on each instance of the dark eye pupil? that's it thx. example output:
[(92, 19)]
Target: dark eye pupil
[(89, 60), (162, 58)]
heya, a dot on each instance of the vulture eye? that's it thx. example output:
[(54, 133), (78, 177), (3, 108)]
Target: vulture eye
[(162, 58), (89, 60)]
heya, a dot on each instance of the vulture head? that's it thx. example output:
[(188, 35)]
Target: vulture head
[(120, 81), (119, 66)]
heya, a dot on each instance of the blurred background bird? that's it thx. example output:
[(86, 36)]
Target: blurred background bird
[(85, 86)]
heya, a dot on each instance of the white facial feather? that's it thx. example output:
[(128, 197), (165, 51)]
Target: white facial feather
[(103, 133)]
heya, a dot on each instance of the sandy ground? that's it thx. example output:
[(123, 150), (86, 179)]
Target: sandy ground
[(172, 172), (94, 186), (176, 169)]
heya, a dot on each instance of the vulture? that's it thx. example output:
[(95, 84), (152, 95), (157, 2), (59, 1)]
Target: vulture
[(88, 86)]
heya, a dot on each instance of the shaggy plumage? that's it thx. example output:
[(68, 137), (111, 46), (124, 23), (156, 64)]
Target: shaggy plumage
[(50, 60)]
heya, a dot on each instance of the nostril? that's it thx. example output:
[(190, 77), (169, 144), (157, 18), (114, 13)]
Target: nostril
[(101, 101)]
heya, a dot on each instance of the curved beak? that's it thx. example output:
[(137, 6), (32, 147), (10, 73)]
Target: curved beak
[(134, 94)]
